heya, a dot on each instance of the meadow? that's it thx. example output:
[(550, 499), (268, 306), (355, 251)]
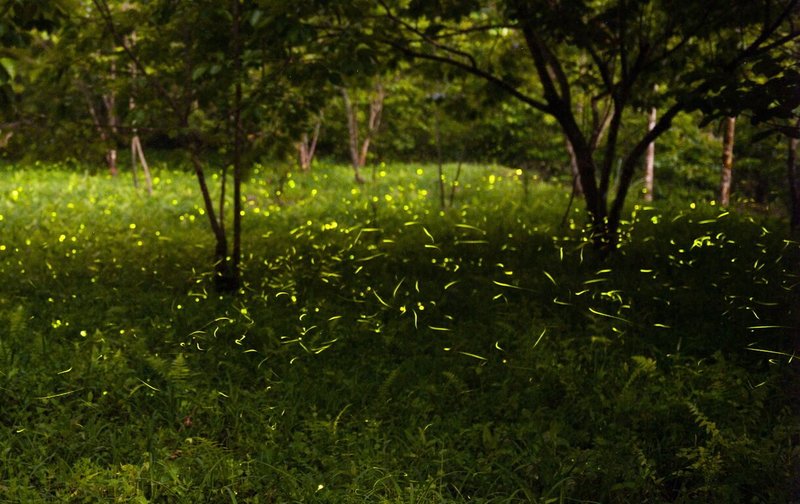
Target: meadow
[(385, 349)]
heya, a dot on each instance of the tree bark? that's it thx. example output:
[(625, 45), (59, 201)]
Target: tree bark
[(352, 129), (650, 159), (138, 157), (307, 147), (360, 150), (727, 161), (577, 187), (374, 122)]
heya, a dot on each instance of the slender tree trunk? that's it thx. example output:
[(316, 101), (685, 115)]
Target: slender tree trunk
[(302, 149), (110, 102), (138, 158), (307, 146), (359, 151), (374, 122), (232, 282), (794, 183), (727, 161), (628, 168), (221, 239), (438, 139), (352, 129), (111, 161), (137, 153), (650, 159)]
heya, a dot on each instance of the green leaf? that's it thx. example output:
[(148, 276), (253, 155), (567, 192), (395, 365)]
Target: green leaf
[(199, 72), (10, 67)]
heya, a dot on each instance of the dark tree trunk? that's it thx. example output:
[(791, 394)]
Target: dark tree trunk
[(577, 187)]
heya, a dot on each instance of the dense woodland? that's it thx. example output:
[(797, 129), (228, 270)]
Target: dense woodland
[(399, 251)]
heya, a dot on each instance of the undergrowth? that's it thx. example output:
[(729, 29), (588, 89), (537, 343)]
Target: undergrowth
[(384, 349)]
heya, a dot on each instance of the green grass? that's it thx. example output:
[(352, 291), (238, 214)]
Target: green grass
[(385, 350)]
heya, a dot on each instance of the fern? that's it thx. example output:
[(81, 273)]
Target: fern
[(704, 422), (384, 391), (179, 371), (456, 382)]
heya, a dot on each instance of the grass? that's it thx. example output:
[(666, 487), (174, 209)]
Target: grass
[(386, 350)]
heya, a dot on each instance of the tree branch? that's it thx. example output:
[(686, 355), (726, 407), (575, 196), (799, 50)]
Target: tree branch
[(474, 70)]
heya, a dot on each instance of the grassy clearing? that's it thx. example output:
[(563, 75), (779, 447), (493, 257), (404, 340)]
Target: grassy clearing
[(384, 350)]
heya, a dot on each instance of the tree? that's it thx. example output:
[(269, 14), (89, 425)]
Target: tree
[(358, 144), (650, 158), (218, 76), (618, 50), (20, 22), (728, 139), (307, 146)]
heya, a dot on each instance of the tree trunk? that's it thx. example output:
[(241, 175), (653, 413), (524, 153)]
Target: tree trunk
[(359, 151), (137, 154), (794, 184), (727, 161), (232, 282), (111, 161), (110, 102), (650, 159), (374, 122), (220, 236), (577, 187), (438, 139), (307, 146), (352, 129)]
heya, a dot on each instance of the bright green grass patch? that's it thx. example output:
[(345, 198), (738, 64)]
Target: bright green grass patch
[(386, 350)]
